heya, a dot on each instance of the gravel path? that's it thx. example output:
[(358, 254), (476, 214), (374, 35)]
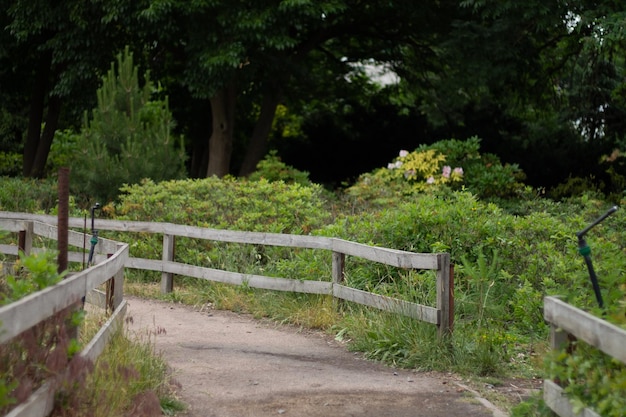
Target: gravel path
[(232, 365)]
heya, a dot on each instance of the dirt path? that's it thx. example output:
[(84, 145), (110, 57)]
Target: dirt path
[(232, 365)]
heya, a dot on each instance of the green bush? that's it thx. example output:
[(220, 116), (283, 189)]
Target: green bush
[(450, 163), (28, 195), (42, 273), (10, 163), (127, 138), (504, 265), (273, 169), (227, 203), (591, 379)]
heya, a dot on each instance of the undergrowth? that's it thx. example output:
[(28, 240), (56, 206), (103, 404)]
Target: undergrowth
[(510, 249)]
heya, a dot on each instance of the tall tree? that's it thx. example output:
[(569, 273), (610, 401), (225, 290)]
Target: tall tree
[(538, 80), (236, 50), (59, 50)]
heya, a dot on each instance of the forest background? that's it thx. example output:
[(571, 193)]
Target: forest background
[(492, 130), (541, 83)]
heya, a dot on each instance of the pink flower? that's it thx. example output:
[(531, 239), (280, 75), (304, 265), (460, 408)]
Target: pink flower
[(403, 153), (458, 171), (446, 171), (391, 165), (398, 164), (430, 180)]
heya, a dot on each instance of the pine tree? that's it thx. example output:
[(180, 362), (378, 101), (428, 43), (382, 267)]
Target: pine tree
[(128, 136)]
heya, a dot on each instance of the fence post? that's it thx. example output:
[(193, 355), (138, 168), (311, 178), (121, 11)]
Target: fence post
[(114, 294), (559, 338), (451, 302), (443, 294), (338, 272), (25, 239), (339, 263), (167, 278)]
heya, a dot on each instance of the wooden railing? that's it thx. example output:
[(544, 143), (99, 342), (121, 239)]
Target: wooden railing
[(112, 257), (565, 319), (442, 314), (21, 315)]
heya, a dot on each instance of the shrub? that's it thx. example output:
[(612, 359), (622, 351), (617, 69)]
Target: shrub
[(127, 138), (273, 169), (226, 203), (10, 163), (450, 163), (28, 195)]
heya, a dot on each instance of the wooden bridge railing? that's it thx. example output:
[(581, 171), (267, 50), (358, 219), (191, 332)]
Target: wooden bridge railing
[(35, 308), (112, 257), (442, 315), (565, 319)]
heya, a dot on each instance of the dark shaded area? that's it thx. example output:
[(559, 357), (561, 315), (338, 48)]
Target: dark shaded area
[(341, 147), (338, 151)]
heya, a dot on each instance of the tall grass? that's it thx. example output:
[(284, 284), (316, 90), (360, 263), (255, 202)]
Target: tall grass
[(129, 378)]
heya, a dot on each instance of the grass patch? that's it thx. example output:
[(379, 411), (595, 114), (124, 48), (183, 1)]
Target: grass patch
[(129, 378)]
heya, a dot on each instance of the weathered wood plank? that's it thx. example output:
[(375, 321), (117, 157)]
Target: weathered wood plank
[(8, 249), (232, 236), (393, 257), (167, 278), (97, 344), (77, 239), (560, 404), (39, 404), (254, 281), (13, 226), (443, 293), (605, 336), (30, 310), (12, 250), (145, 264), (381, 302), (96, 298)]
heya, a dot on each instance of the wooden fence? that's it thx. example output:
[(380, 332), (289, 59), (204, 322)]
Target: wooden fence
[(565, 319), (17, 317), (441, 315), (113, 257)]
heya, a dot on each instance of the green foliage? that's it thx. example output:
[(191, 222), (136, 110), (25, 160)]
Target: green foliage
[(504, 265), (591, 379), (484, 174), (127, 138), (5, 393), (10, 163), (450, 163), (575, 186), (226, 203), (128, 371), (41, 272), (28, 195), (273, 169), (63, 151)]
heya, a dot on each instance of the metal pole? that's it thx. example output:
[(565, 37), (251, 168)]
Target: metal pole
[(63, 218), (585, 251)]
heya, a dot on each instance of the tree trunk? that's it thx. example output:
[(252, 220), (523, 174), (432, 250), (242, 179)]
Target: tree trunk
[(221, 141), (35, 114), (43, 149), (259, 140)]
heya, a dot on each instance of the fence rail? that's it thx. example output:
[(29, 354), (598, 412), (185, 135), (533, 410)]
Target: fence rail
[(565, 319), (112, 257), (21, 315), (441, 315)]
